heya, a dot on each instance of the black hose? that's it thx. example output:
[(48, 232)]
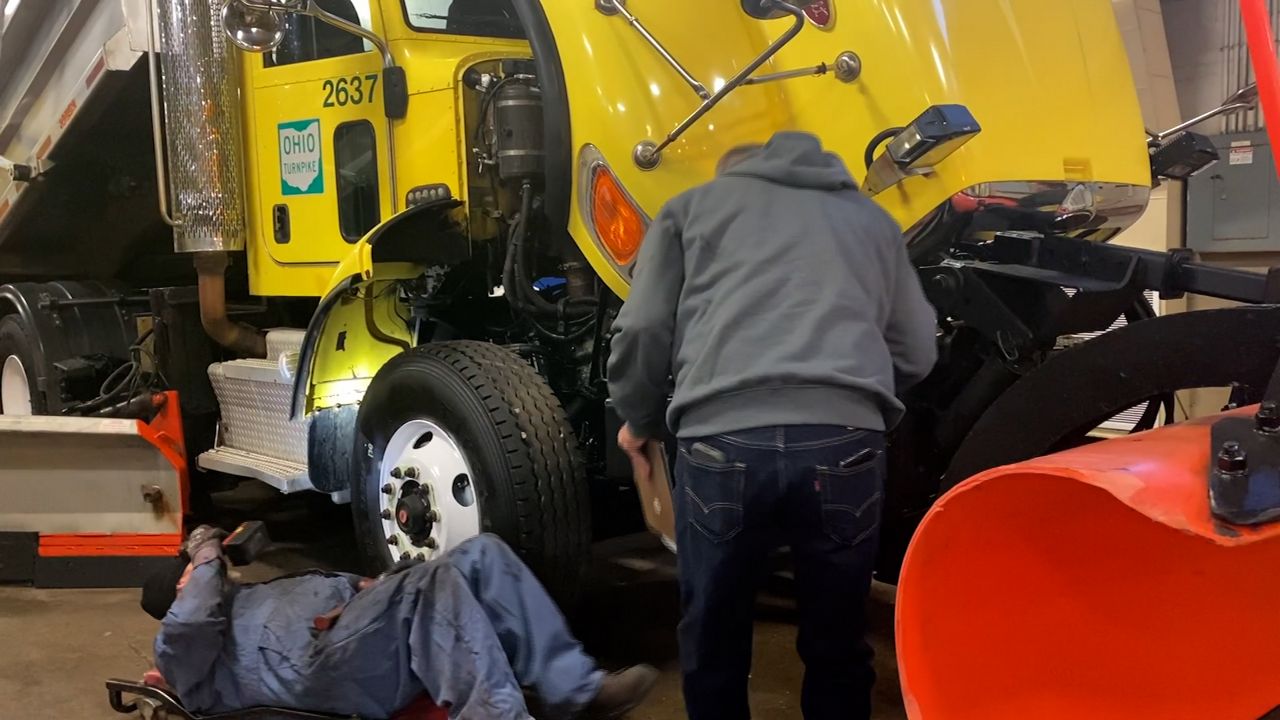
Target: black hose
[(877, 141), (519, 288)]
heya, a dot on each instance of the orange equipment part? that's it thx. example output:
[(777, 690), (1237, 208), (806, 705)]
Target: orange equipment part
[(166, 434), (1093, 583)]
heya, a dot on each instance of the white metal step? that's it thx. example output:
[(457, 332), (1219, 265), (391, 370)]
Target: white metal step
[(285, 476)]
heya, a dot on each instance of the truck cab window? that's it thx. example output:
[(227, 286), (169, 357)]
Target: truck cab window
[(307, 38), (482, 18), (355, 153)]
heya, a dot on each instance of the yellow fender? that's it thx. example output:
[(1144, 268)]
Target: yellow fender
[(358, 325)]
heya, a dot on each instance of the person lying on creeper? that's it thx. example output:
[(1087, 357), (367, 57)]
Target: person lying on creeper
[(470, 629)]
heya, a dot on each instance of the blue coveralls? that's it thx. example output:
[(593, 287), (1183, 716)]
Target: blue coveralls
[(470, 629)]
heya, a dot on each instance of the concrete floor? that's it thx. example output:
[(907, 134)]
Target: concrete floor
[(59, 645)]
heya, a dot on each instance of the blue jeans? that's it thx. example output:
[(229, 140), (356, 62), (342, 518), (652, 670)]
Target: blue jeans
[(817, 489)]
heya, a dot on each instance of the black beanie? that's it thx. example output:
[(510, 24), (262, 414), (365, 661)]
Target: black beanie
[(161, 589)]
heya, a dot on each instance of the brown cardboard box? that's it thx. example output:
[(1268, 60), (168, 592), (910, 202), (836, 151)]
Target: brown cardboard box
[(655, 495)]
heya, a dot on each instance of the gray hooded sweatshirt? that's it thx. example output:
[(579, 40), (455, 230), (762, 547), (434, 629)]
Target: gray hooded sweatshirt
[(775, 295)]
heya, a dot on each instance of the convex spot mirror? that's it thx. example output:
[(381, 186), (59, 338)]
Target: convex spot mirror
[(254, 29)]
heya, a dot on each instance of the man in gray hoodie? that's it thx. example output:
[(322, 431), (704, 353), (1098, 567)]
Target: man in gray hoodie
[(783, 303)]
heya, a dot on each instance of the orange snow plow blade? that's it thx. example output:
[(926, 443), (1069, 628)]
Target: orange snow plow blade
[(1094, 583)]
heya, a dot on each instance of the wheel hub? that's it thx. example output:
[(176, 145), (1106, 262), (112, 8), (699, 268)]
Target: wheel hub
[(414, 515), (427, 500)]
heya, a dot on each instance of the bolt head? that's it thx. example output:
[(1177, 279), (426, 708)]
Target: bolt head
[(1268, 417), (397, 473), (393, 540), (848, 66), (1232, 458), (385, 514), (411, 473), (431, 544), (388, 489), (645, 155)]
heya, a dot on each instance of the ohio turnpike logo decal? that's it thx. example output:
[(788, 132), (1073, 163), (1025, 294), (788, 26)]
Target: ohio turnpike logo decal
[(301, 163)]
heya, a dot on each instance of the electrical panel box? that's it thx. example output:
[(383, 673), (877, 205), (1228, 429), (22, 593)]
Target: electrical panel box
[(1234, 205)]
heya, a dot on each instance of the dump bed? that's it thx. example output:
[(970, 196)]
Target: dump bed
[(74, 107)]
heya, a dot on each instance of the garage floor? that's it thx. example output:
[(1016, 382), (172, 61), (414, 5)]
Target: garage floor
[(59, 645)]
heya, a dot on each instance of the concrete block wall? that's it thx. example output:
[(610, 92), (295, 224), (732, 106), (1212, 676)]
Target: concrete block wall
[(1143, 27)]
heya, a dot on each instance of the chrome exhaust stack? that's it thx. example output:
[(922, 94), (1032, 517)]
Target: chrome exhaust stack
[(204, 182)]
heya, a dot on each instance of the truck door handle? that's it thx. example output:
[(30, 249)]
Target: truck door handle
[(280, 223)]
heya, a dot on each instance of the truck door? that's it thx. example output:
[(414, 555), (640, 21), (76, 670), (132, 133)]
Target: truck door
[(318, 134)]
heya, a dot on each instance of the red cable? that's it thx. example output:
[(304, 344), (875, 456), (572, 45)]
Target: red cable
[(1257, 25)]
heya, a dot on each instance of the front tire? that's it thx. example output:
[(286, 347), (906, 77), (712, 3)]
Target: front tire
[(459, 438)]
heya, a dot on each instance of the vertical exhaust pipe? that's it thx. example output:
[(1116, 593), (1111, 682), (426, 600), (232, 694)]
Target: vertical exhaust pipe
[(211, 272), (202, 139)]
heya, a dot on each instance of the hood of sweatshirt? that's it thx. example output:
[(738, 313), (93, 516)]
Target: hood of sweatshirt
[(796, 159)]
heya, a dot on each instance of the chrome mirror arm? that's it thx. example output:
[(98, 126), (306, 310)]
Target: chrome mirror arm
[(647, 154), (1162, 136), (313, 9), (618, 7)]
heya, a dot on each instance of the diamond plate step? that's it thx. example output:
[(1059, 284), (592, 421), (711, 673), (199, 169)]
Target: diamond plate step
[(285, 476), (254, 400)]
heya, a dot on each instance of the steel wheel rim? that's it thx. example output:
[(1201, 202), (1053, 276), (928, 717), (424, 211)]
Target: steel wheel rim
[(15, 392), (425, 471)]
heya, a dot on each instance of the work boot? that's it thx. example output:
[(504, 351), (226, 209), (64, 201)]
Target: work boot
[(621, 692)]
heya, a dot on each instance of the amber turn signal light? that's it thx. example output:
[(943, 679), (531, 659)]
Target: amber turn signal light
[(618, 222)]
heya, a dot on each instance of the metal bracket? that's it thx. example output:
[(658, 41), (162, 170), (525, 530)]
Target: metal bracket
[(1102, 264), (1173, 282), (959, 292), (1244, 482), (648, 153)]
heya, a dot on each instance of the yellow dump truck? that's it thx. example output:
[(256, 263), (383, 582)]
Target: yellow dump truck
[(376, 246)]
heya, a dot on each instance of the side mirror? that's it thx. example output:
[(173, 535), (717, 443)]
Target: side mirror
[(916, 149), (258, 26), (1247, 95), (252, 28), (770, 9)]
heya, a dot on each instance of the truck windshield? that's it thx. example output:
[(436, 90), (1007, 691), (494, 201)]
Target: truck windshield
[(482, 18)]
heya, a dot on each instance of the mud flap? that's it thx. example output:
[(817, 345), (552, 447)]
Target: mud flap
[(1094, 583), (99, 501)]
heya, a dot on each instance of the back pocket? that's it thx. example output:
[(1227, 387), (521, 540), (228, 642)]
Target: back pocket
[(851, 501), (713, 497)]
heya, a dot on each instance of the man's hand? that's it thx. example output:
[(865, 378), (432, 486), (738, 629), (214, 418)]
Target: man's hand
[(635, 447), (204, 544), (153, 678)]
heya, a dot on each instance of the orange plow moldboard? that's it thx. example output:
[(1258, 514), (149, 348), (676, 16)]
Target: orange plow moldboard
[(1094, 583)]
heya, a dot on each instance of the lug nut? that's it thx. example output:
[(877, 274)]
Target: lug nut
[(1232, 459), (431, 544), (404, 555), (433, 516), (393, 540), (411, 472), (397, 473), (385, 514), (1268, 417), (388, 489)]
